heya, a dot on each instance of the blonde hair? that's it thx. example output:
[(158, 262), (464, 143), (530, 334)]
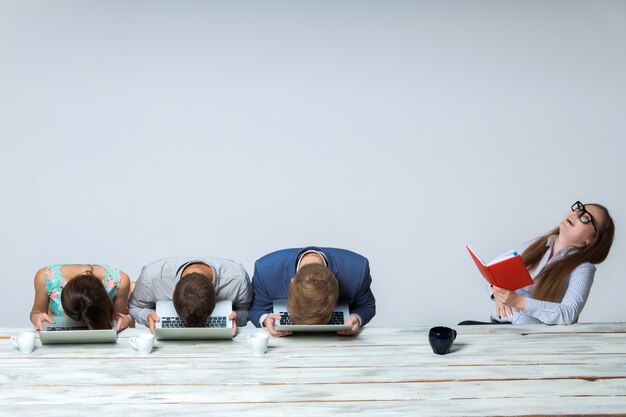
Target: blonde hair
[(313, 294)]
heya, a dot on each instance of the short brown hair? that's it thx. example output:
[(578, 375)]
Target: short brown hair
[(194, 299), (84, 298), (313, 294)]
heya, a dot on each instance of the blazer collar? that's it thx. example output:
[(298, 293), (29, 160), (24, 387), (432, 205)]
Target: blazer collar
[(332, 265)]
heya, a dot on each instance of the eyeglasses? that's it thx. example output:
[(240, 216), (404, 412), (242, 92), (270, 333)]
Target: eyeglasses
[(583, 215)]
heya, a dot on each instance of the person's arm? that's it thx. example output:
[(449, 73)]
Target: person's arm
[(262, 303), (575, 298), (565, 312), (243, 298), (142, 301), (39, 313), (120, 304), (364, 303)]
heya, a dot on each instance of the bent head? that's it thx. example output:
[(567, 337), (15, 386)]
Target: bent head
[(313, 294), (194, 299), (84, 298), (590, 228)]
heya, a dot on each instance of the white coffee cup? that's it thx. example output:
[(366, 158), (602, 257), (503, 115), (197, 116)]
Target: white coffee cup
[(25, 341), (143, 343), (258, 342)]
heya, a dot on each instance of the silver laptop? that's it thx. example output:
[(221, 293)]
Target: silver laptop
[(170, 327), (340, 314), (66, 330)]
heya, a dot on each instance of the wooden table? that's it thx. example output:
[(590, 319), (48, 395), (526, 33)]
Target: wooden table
[(492, 370)]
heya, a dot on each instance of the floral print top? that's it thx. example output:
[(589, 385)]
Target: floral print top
[(55, 283)]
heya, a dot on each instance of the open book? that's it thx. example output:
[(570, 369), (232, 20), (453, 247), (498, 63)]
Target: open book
[(508, 272)]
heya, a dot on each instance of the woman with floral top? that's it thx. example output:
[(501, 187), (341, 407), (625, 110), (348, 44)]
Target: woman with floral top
[(94, 294)]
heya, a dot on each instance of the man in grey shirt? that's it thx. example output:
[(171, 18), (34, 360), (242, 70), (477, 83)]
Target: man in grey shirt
[(194, 284)]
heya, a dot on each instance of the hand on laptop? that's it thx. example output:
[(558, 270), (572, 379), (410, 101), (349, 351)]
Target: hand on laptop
[(152, 319), (268, 323), (233, 317), (39, 318), (354, 322)]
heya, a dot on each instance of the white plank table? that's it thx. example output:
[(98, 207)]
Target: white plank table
[(491, 371)]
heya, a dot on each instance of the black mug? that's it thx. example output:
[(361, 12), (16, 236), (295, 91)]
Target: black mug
[(441, 339)]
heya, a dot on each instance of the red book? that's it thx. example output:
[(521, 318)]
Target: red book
[(508, 272)]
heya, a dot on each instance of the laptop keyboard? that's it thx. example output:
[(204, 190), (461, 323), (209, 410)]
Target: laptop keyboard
[(335, 318), (218, 322), (61, 328)]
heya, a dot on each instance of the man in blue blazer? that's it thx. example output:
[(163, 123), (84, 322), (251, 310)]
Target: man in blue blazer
[(313, 280)]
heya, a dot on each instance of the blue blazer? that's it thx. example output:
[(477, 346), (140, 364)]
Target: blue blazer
[(273, 273)]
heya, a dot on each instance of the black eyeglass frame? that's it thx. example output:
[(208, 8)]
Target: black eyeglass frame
[(580, 208)]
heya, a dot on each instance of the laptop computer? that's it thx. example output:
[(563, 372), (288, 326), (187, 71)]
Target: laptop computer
[(170, 327), (66, 330), (340, 314)]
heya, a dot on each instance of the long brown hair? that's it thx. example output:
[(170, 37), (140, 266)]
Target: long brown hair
[(84, 298), (552, 281)]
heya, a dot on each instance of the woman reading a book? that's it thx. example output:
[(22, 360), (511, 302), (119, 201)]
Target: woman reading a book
[(562, 266)]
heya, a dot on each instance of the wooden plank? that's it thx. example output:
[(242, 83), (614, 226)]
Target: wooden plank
[(469, 353), (490, 407), (465, 344), (75, 391), (611, 406), (133, 371)]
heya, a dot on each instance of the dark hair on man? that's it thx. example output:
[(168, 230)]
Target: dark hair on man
[(84, 298), (194, 299), (313, 294)]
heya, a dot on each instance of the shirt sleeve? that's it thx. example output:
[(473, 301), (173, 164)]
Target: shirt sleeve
[(364, 304), (142, 301), (243, 298), (568, 310), (262, 302)]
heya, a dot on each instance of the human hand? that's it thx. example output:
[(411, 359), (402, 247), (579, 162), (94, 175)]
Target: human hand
[(509, 298), (268, 323), (39, 318), (152, 320), (504, 312), (352, 320), (122, 322), (233, 317)]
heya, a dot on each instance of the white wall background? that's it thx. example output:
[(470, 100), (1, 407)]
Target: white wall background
[(133, 130)]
